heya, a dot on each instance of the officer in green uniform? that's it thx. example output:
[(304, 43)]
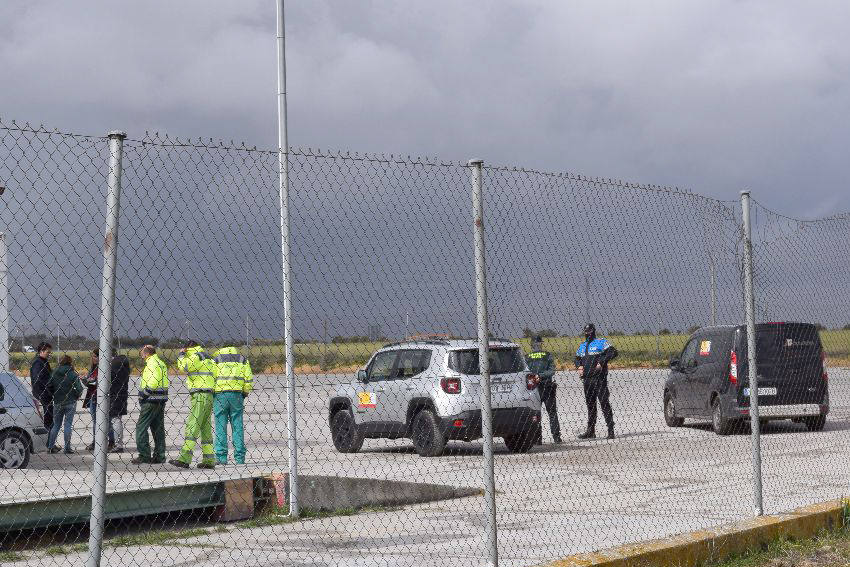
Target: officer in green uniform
[(200, 379), (153, 393), (542, 363), (233, 382)]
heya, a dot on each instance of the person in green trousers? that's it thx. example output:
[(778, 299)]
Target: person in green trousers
[(153, 394), (200, 378), (233, 382)]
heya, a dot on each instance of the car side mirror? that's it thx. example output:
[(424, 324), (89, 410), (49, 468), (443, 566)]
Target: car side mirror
[(674, 362), (362, 377)]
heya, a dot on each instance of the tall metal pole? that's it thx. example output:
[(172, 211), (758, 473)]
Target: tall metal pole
[(586, 299), (484, 363), (750, 307), (107, 310), (713, 268), (4, 306), (283, 160)]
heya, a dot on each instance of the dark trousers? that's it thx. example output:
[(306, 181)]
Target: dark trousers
[(152, 417), (597, 389), (548, 389), (46, 400)]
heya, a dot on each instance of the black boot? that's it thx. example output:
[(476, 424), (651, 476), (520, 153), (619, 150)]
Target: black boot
[(611, 433), (589, 434)]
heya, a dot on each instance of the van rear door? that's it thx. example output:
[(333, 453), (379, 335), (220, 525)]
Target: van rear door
[(789, 362)]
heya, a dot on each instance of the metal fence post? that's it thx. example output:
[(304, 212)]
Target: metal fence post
[(484, 363), (107, 310), (749, 306), (285, 243), (713, 273), (4, 306)]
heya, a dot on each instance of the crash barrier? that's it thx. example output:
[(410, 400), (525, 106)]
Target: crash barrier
[(121, 241)]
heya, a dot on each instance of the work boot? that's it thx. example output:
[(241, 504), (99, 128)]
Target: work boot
[(90, 447), (589, 434), (139, 461), (611, 434), (558, 441), (179, 463), (209, 466)]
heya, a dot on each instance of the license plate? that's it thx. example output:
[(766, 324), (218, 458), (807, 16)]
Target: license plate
[(762, 391), (500, 388)]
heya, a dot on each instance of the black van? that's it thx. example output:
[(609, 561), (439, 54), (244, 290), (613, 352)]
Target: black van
[(709, 379)]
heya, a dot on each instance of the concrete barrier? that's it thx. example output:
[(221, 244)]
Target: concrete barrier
[(697, 548), (339, 493)]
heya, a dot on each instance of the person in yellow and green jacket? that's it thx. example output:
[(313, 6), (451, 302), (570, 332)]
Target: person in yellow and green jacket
[(200, 379), (153, 394), (233, 382)]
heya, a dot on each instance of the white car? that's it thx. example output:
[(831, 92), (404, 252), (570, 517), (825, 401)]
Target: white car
[(430, 392), (22, 430)]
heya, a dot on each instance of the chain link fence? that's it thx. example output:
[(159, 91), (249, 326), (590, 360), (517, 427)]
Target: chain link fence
[(387, 361)]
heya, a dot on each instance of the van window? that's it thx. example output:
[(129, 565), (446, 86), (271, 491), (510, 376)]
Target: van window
[(689, 354), (502, 361), (786, 343)]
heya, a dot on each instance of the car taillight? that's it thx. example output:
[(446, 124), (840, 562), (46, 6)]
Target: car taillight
[(450, 385), (733, 369), (531, 381), (37, 405), (825, 374)]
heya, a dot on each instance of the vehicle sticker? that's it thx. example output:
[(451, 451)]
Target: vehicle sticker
[(705, 348), (366, 400)]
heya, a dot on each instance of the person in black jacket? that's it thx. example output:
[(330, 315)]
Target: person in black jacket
[(40, 373), (118, 391), (542, 363), (592, 358)]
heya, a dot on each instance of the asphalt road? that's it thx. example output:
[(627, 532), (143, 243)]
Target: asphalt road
[(581, 496)]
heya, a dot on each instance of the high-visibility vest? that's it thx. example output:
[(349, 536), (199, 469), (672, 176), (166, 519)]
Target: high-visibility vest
[(233, 372), (153, 387), (199, 368)]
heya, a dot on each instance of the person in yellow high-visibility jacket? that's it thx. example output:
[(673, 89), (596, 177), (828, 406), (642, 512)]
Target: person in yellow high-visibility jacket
[(200, 378), (233, 382)]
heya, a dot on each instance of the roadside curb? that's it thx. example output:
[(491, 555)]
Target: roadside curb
[(699, 547)]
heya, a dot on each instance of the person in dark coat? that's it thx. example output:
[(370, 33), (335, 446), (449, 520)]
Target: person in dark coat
[(40, 373), (118, 391), (66, 389)]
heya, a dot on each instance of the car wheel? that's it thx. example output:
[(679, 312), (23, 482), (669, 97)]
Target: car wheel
[(720, 424), (427, 438), (670, 412), (523, 441), (815, 423), (347, 437), (14, 450)]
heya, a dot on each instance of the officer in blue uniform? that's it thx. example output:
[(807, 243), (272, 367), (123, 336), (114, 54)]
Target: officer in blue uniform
[(592, 358)]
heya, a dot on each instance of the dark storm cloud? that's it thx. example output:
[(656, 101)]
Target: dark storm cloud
[(713, 96)]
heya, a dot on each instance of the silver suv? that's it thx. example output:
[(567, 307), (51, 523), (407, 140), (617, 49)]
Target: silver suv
[(430, 392)]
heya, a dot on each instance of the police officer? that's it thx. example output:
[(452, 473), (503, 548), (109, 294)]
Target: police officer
[(592, 358), (200, 379), (233, 382), (542, 363), (153, 393)]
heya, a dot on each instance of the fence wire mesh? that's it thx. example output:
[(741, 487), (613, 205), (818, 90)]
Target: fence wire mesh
[(387, 384)]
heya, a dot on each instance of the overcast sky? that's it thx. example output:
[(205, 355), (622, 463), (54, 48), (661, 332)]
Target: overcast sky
[(711, 96)]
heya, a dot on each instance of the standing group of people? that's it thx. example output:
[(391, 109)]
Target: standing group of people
[(218, 386), (591, 360), (58, 392)]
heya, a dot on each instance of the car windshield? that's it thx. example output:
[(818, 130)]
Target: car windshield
[(502, 361)]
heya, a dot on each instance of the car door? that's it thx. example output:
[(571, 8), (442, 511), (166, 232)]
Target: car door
[(685, 389), (702, 377), (372, 406), (411, 365)]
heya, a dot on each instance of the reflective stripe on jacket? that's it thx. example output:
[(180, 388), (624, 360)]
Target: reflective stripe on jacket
[(199, 368), (153, 386), (233, 372)]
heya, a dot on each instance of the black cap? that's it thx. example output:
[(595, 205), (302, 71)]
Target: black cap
[(589, 328), (537, 339)]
